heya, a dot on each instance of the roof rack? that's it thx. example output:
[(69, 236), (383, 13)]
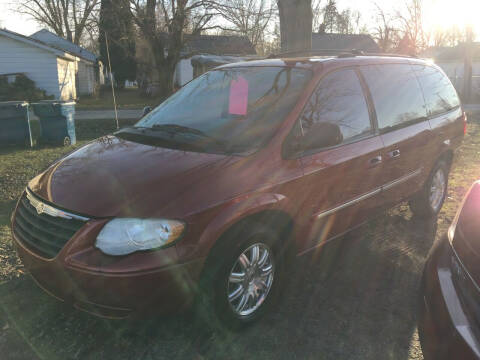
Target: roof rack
[(337, 53)]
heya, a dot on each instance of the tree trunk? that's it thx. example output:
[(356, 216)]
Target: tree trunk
[(166, 80), (165, 68), (295, 24), (166, 77)]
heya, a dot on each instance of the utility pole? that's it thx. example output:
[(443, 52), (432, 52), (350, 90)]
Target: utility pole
[(467, 73)]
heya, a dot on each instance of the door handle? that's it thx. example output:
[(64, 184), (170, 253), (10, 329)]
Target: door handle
[(375, 161), (394, 153)]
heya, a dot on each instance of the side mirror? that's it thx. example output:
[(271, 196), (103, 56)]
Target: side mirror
[(146, 110), (322, 135)]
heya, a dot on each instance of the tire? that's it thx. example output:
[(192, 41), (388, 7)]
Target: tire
[(429, 201), (222, 277)]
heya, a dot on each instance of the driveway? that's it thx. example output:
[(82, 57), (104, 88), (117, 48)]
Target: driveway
[(355, 299), (103, 114), (124, 114)]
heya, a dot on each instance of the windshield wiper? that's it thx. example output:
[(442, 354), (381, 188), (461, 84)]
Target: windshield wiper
[(178, 128), (167, 134), (175, 129)]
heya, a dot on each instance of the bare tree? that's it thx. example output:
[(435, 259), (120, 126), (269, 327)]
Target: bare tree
[(272, 43), (317, 14), (249, 18), (411, 22), (163, 24), (385, 32), (295, 24), (330, 16), (455, 35), (69, 19), (329, 19), (348, 22), (436, 37)]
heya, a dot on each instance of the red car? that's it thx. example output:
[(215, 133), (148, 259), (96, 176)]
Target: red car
[(449, 309), (245, 167)]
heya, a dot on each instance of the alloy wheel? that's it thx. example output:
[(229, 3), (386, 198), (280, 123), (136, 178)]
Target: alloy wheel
[(250, 279), (437, 189)]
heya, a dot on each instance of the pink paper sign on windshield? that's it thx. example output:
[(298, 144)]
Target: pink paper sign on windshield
[(238, 102)]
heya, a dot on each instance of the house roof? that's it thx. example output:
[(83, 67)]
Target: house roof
[(433, 51), (36, 43), (456, 53), (217, 60), (344, 42), (219, 45), (54, 40)]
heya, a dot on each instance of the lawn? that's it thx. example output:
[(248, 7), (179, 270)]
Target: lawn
[(18, 166), (355, 299), (126, 99)]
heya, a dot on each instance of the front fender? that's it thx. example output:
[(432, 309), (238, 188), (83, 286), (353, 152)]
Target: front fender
[(236, 210)]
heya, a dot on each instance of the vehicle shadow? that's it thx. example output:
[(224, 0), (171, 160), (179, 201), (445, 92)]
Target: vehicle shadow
[(353, 299)]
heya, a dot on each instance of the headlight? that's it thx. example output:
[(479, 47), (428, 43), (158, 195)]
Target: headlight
[(125, 236)]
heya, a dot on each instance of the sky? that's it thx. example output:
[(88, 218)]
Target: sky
[(14, 21), (437, 13)]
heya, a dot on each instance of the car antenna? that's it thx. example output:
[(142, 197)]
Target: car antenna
[(111, 81)]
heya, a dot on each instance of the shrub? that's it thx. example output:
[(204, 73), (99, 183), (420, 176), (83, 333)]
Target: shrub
[(21, 89)]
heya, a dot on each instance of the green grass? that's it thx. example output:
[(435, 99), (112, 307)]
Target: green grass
[(18, 165), (126, 99), (355, 299)]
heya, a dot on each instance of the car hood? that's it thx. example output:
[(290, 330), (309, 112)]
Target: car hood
[(115, 177), (466, 240)]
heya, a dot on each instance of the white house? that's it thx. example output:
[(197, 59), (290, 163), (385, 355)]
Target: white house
[(235, 46), (86, 75), (52, 69), (232, 47)]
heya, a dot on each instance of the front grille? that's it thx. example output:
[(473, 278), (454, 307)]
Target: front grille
[(43, 234)]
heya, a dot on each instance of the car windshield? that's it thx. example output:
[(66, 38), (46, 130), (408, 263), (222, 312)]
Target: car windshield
[(234, 110)]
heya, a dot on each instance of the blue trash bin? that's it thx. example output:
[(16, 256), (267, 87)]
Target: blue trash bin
[(57, 120), (14, 123)]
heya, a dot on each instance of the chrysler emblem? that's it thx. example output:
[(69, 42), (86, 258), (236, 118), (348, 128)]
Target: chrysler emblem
[(40, 207), (46, 209)]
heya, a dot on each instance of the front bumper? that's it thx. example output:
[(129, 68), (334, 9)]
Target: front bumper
[(117, 293), (445, 328)]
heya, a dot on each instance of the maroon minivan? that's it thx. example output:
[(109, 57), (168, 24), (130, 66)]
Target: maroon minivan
[(449, 308), (244, 168)]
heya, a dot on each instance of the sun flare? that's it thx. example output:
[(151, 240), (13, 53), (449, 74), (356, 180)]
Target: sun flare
[(445, 15)]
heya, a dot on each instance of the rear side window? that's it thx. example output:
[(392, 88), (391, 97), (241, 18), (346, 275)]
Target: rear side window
[(396, 94), (440, 95), (339, 100)]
